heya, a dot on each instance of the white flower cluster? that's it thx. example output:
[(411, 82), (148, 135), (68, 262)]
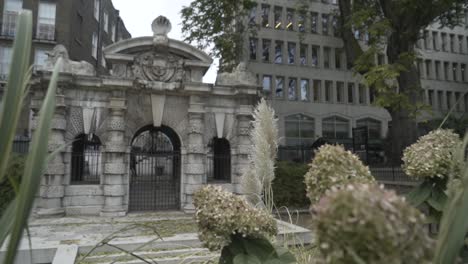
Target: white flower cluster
[(333, 166), (432, 155), (221, 214), (374, 224)]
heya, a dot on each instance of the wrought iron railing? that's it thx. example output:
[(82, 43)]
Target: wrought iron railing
[(86, 167), (21, 145), (218, 168)]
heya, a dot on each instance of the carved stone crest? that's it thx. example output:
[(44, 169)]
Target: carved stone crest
[(151, 66)]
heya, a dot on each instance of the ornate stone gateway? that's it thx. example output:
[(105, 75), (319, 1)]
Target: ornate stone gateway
[(155, 170)]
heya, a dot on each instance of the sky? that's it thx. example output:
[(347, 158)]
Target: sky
[(139, 14)]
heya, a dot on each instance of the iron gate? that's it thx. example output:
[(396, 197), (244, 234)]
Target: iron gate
[(155, 171)]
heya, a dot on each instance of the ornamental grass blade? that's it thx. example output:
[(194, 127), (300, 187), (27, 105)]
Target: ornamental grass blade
[(12, 102), (5, 221), (454, 224), (34, 167)]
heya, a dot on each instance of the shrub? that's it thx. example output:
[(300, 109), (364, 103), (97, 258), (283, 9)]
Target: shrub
[(288, 187), (14, 172), (432, 155), (333, 166), (220, 215), (363, 223)]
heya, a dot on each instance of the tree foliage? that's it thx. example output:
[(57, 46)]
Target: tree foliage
[(218, 25)]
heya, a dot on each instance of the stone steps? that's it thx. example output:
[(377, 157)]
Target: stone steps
[(160, 256)]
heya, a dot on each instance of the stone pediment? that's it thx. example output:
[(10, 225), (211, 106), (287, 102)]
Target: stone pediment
[(156, 59)]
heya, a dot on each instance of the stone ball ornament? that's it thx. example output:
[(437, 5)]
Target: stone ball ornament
[(161, 26)]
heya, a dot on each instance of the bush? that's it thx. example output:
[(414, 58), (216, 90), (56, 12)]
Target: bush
[(14, 171), (363, 223), (288, 187)]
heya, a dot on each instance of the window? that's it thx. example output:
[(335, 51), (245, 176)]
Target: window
[(94, 45), (326, 58), (452, 43), (463, 72), (324, 24), (10, 14), (278, 52), (219, 161), (303, 54), (435, 37), (315, 56), (253, 16), (40, 57), (279, 87), (313, 22), (106, 22), (350, 93), (449, 100), (362, 94), (437, 70), (290, 19), (336, 32), (316, 90), (266, 44), (444, 41), (46, 20), (457, 101), (5, 61), (266, 16), (291, 53), (374, 127), (335, 128), (427, 40), (86, 160), (304, 90), (454, 70), (278, 17), (328, 91), (300, 130), (253, 48), (292, 89), (428, 69), (97, 9), (340, 92), (301, 22), (440, 102), (338, 59), (466, 102), (266, 83), (460, 44), (430, 97), (446, 71), (113, 33)]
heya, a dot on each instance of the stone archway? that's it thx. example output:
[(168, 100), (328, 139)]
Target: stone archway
[(155, 166)]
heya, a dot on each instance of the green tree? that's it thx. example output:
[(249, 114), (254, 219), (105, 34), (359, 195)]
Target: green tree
[(394, 26)]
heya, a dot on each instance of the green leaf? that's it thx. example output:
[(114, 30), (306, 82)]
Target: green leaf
[(6, 221), (420, 194), (437, 200), (11, 106), (34, 167), (246, 259), (226, 256), (259, 247), (285, 256)]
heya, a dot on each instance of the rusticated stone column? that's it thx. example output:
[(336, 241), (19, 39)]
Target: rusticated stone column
[(195, 160), (52, 188), (115, 160), (244, 146)]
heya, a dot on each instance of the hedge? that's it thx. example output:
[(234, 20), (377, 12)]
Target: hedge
[(288, 187)]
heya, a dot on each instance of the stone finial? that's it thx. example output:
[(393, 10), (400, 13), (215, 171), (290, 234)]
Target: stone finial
[(161, 27)]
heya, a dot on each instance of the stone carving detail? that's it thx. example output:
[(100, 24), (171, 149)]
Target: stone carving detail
[(68, 66), (161, 26), (151, 66), (240, 76)]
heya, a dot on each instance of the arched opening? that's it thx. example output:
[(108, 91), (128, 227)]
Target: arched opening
[(336, 129), (219, 161), (155, 170), (86, 160)]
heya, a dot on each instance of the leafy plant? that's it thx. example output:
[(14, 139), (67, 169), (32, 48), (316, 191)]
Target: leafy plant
[(9, 187), (14, 218), (288, 186)]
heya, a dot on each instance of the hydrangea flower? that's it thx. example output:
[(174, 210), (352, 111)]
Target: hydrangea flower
[(374, 224), (432, 155), (221, 214), (333, 166)]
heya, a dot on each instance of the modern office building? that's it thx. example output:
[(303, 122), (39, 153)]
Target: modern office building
[(300, 62), (84, 27)]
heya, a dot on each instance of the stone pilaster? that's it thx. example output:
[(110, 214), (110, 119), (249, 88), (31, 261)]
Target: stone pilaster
[(195, 160), (244, 146), (52, 190), (115, 160)]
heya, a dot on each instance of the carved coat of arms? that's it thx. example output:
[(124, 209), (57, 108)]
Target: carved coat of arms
[(151, 66)]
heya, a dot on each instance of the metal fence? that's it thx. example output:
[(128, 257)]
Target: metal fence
[(391, 173), (218, 168), (86, 167), (21, 145)]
